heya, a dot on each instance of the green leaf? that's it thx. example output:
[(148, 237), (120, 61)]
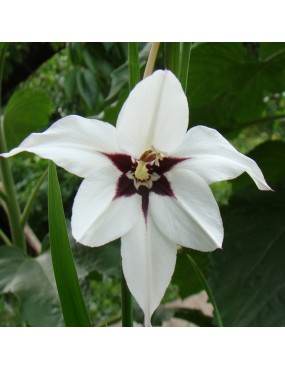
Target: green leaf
[(247, 276), (270, 156), (72, 303), (27, 111), (105, 260), (120, 76), (87, 87), (184, 276), (207, 288), (229, 81), (70, 83), (31, 281)]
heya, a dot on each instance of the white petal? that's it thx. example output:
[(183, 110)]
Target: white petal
[(148, 259), (98, 219), (73, 143), (191, 219), (155, 114), (215, 159)]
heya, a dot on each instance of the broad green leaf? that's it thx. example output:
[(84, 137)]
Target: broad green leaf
[(184, 276), (32, 282), (27, 111), (72, 303), (207, 289), (229, 81), (70, 83), (270, 156), (120, 76), (105, 260), (87, 87), (247, 277), (110, 114)]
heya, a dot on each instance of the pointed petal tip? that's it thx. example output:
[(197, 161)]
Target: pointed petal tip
[(11, 153)]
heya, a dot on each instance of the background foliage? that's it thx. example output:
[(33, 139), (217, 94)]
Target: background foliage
[(237, 88)]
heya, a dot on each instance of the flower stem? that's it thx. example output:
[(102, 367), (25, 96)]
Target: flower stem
[(134, 64), (32, 197), (184, 66), (5, 238), (127, 304), (207, 288), (13, 208), (3, 49), (172, 57), (14, 214), (151, 59)]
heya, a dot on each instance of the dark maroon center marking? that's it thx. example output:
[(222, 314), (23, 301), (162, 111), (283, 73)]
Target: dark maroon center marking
[(125, 185), (122, 161)]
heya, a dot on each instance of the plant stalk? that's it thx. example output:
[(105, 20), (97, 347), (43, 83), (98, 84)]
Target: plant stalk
[(27, 209), (151, 59), (134, 64), (208, 290), (14, 214), (172, 57), (13, 209), (184, 67), (127, 304)]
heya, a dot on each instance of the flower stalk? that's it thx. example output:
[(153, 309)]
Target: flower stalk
[(172, 57), (134, 64), (208, 290), (13, 209), (127, 304), (151, 59), (186, 48)]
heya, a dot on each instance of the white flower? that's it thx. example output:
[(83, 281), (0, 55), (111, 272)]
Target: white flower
[(145, 181)]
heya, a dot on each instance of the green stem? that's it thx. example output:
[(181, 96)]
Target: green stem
[(172, 57), (134, 64), (184, 67), (5, 238), (207, 289), (32, 197), (13, 209), (3, 196), (127, 304), (2, 59)]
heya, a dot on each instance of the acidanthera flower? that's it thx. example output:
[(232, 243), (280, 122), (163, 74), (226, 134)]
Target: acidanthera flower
[(145, 181)]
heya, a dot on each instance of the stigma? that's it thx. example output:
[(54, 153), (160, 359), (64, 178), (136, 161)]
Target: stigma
[(141, 172)]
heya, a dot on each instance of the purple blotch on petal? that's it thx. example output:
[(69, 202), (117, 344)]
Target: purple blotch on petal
[(167, 163), (162, 187), (122, 161), (143, 191), (125, 187)]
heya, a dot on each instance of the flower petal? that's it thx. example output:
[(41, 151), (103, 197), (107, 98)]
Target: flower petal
[(191, 218), (155, 114), (98, 218), (215, 159), (73, 143), (148, 259)]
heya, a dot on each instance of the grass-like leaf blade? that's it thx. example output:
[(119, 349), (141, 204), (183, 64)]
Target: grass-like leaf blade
[(71, 299)]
